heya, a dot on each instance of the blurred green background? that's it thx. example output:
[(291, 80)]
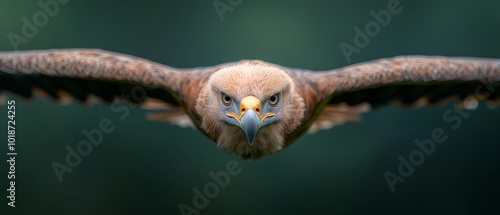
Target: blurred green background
[(152, 167)]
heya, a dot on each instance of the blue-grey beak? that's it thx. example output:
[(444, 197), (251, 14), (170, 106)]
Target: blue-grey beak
[(250, 123)]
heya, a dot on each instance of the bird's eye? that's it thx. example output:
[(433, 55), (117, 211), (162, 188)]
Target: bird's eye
[(273, 100), (226, 100)]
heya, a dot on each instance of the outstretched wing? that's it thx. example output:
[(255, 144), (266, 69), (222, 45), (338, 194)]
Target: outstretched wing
[(84, 74), (407, 80)]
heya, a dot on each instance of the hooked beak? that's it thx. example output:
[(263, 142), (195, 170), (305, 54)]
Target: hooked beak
[(250, 123), (249, 117)]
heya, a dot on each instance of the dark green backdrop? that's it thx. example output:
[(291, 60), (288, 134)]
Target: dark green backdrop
[(152, 167)]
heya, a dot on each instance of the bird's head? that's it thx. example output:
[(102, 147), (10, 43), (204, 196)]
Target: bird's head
[(253, 105), (250, 113)]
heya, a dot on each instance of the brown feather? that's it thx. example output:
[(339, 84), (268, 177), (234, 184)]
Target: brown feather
[(312, 100), (87, 75), (409, 80)]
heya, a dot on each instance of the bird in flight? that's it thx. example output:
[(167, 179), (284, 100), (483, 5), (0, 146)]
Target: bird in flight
[(250, 108)]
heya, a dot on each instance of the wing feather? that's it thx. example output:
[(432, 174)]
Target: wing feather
[(406, 80), (412, 79), (86, 73)]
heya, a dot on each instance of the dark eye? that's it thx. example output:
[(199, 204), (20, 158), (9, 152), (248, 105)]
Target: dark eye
[(273, 100), (226, 100)]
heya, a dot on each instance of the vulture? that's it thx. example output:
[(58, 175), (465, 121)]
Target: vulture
[(250, 108)]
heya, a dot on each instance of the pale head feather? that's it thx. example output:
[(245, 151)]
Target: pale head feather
[(250, 78)]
